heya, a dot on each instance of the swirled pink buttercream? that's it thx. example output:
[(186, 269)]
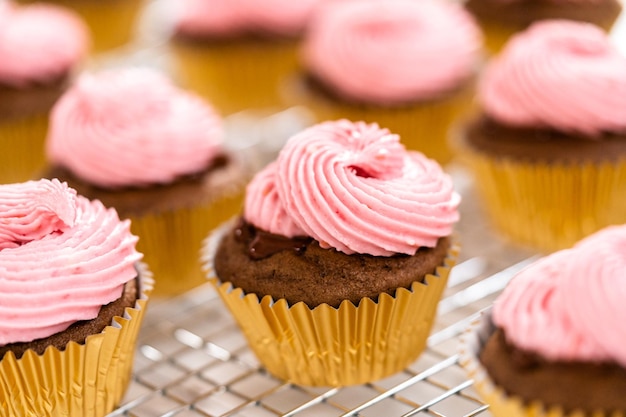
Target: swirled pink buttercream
[(563, 75), (263, 207), (132, 127), (392, 51), (570, 305), (354, 187), (74, 256), (218, 18), (39, 43)]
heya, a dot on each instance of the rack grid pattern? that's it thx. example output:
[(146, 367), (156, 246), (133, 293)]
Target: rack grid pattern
[(193, 361)]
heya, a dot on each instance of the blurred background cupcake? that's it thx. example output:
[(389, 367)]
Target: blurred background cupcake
[(408, 65), (500, 19), (235, 53), (553, 344), (131, 139), (73, 294), (112, 23), (41, 47), (548, 150), (336, 267)]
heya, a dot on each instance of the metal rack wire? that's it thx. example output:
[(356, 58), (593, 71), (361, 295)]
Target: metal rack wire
[(192, 360)]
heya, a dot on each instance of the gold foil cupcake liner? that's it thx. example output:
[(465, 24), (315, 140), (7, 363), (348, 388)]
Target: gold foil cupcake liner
[(327, 346), (500, 403), (238, 74), (421, 126), (171, 240), (22, 147), (84, 380), (550, 206)]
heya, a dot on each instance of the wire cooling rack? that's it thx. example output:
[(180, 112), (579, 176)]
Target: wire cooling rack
[(193, 361)]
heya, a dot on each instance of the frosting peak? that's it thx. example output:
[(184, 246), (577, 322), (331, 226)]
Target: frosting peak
[(355, 188), (558, 74), (569, 306), (33, 210), (70, 257), (132, 128), (39, 43), (392, 51)]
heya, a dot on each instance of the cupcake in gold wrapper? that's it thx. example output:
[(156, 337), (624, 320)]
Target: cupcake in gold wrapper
[(133, 140), (69, 350), (407, 65), (549, 150), (111, 23), (337, 264), (236, 54), (41, 46), (552, 346), (500, 20)]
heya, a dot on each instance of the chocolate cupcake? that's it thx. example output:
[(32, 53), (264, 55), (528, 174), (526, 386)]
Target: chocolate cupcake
[(131, 139), (73, 295), (408, 65), (549, 147), (336, 267), (553, 343), (41, 46), (236, 54)]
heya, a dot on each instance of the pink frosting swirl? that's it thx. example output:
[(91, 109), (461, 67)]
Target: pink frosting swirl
[(263, 207), (39, 43), (68, 259), (354, 187), (563, 75), (216, 18), (392, 51), (132, 127), (570, 305)]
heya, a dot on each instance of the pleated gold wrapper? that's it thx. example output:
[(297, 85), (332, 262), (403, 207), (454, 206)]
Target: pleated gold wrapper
[(238, 74), (422, 126), (112, 23), (22, 147), (500, 403), (551, 207), (327, 346), (171, 240), (87, 380)]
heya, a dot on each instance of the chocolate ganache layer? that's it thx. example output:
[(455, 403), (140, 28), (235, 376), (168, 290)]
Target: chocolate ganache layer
[(300, 270)]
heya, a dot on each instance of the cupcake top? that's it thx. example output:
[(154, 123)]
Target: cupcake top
[(218, 18), (62, 257), (132, 128), (39, 43), (569, 306), (561, 75), (355, 188), (390, 52)]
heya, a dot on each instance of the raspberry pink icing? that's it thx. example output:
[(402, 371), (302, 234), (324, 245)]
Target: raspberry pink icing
[(558, 74), (132, 128), (39, 43), (218, 18), (570, 305), (62, 257), (263, 207), (392, 51), (354, 187)]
